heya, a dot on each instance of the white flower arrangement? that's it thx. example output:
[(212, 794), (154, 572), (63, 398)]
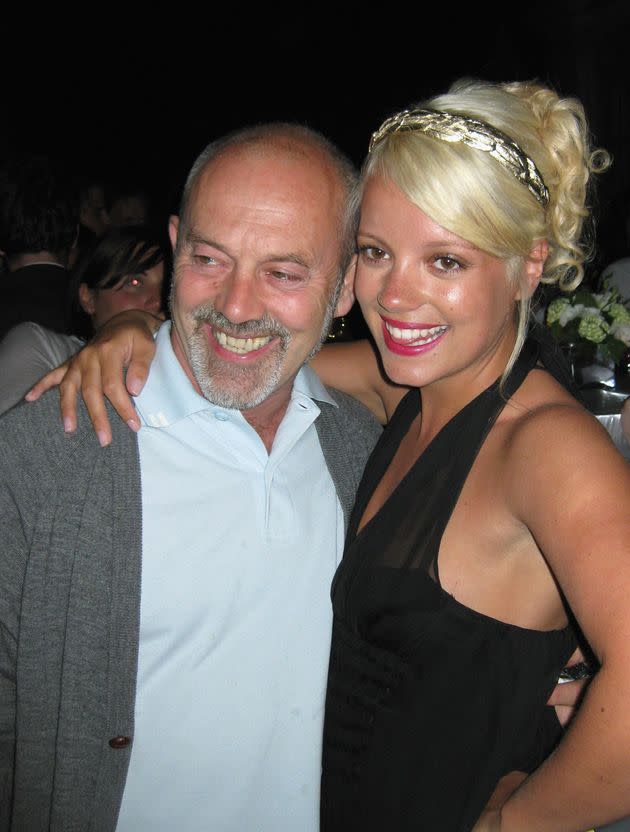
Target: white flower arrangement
[(599, 320)]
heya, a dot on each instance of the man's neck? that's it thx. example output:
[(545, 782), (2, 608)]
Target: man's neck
[(18, 261), (265, 418)]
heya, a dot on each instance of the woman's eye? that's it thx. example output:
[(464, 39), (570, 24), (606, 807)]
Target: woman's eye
[(446, 263), (134, 282), (373, 253)]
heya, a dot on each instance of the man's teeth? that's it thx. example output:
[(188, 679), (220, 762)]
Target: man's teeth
[(241, 345), (415, 336)]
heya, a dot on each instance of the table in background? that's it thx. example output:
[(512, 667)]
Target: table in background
[(606, 403)]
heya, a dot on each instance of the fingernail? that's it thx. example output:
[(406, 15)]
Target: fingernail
[(134, 424), (67, 425), (102, 438), (29, 396), (133, 385)]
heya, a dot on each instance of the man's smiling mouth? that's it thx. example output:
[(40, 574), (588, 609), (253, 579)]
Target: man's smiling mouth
[(241, 346)]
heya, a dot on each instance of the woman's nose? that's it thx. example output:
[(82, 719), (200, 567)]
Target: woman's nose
[(402, 289)]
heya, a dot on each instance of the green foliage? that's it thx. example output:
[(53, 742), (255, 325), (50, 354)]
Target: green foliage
[(593, 321)]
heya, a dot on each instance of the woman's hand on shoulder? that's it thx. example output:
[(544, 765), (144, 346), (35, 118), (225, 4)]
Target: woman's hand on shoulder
[(97, 371)]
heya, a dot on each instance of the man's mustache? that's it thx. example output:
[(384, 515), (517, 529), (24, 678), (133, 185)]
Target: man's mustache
[(207, 314)]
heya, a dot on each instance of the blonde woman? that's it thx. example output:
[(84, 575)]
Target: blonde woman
[(491, 529)]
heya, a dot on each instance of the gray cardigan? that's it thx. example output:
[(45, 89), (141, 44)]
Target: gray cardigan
[(70, 560)]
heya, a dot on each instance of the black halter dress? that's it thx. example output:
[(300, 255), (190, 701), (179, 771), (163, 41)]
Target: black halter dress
[(429, 703)]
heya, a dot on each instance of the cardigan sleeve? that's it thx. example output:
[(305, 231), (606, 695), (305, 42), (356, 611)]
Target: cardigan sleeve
[(32, 459), (13, 556)]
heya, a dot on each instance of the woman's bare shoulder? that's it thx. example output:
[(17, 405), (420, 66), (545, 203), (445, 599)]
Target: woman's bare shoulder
[(550, 440), (543, 404)]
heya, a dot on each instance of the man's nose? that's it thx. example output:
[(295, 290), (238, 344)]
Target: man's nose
[(239, 298)]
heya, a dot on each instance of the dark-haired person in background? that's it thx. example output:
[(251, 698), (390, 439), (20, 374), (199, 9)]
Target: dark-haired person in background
[(39, 216), (128, 203), (124, 269)]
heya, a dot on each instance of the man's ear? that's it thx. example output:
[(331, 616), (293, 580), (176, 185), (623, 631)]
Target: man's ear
[(533, 266), (173, 229), (86, 298), (346, 296)]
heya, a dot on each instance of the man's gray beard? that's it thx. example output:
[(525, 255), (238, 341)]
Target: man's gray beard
[(231, 386), (199, 353)]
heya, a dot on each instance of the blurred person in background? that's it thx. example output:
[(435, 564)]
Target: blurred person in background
[(124, 269), (39, 216)]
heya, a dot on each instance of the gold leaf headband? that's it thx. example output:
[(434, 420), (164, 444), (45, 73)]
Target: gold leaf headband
[(474, 133)]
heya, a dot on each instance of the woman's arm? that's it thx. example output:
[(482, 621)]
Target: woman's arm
[(354, 368), (126, 342), (571, 488), (97, 371)]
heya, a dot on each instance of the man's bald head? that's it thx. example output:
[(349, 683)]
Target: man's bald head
[(292, 141)]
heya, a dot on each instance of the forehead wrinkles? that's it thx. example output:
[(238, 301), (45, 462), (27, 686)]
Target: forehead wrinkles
[(289, 186)]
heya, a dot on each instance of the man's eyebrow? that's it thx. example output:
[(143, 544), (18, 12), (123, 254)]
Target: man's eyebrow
[(193, 237), (292, 257), (300, 259)]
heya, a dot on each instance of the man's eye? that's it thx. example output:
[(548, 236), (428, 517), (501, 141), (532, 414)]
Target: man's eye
[(373, 253), (204, 259), (286, 277)]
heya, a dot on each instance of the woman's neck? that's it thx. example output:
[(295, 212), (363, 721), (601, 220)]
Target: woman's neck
[(444, 398)]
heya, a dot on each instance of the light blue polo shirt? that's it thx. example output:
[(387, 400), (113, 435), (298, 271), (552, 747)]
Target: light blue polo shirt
[(239, 549)]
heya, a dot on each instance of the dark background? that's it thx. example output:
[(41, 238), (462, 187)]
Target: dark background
[(139, 98)]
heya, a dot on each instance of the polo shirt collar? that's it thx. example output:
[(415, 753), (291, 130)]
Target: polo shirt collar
[(168, 395)]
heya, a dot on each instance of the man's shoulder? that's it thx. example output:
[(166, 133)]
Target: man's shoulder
[(350, 419), (33, 431), (355, 410), (28, 416), (347, 433)]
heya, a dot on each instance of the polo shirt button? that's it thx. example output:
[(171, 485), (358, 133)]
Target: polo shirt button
[(120, 742), (221, 416)]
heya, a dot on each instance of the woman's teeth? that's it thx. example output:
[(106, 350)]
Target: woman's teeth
[(415, 336)]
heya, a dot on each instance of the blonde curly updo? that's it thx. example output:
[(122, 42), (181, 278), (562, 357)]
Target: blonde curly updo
[(475, 196)]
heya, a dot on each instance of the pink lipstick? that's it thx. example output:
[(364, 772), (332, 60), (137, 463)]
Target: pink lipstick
[(403, 338)]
